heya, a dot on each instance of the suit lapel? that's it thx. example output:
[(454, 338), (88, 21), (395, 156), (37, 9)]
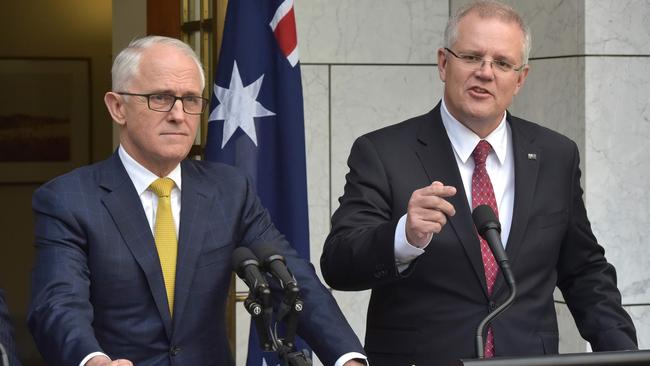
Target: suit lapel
[(527, 157), (196, 200), (436, 155), (123, 204)]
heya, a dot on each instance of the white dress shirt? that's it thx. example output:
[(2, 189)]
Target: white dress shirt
[(142, 179), (501, 169)]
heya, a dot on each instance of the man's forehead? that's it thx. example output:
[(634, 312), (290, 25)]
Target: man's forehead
[(475, 17), (473, 24), (167, 64), (162, 54)]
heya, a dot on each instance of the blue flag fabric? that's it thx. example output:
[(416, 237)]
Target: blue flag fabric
[(257, 122)]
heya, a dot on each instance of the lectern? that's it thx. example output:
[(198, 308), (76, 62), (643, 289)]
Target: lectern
[(619, 358)]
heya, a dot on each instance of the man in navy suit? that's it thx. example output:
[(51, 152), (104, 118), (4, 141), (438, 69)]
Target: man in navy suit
[(6, 332), (404, 227), (99, 295)]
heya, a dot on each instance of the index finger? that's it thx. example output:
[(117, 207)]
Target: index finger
[(439, 189)]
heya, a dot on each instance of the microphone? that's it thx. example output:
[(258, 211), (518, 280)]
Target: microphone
[(258, 303), (247, 268), (275, 264), (489, 228), (291, 306)]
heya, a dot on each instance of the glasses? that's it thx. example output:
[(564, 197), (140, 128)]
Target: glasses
[(475, 62), (165, 102)]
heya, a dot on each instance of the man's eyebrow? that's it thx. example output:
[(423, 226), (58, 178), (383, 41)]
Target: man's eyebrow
[(500, 56), (171, 92)]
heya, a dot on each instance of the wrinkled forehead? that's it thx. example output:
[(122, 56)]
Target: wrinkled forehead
[(167, 68), (474, 19), (489, 32)]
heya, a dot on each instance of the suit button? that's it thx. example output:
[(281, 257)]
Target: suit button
[(492, 306), (174, 350), (381, 274)]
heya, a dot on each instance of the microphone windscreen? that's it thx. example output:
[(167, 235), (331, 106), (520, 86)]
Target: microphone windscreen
[(266, 251), (484, 219), (242, 255)]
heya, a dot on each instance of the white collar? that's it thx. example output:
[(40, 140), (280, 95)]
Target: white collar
[(143, 177), (464, 140)]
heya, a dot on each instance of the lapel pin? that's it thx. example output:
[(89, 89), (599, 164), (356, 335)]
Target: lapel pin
[(532, 156)]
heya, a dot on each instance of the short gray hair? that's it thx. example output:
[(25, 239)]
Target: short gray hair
[(489, 9), (127, 62)]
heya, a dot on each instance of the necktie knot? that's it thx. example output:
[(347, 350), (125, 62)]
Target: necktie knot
[(481, 152), (162, 187)]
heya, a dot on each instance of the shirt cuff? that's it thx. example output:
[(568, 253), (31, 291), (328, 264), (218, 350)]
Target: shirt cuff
[(350, 356), (405, 252), (87, 358)]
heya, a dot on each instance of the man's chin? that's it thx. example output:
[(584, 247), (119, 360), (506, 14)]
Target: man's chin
[(481, 109), (175, 155)]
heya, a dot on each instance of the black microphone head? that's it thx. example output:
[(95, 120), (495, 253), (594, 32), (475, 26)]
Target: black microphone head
[(267, 253), (485, 219), (242, 257)]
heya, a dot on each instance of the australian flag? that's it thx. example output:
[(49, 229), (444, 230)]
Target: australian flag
[(257, 122)]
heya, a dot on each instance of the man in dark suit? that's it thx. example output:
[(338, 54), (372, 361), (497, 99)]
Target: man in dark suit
[(404, 227), (106, 288), (7, 333)]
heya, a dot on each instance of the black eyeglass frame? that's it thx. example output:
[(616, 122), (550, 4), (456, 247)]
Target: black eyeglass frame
[(476, 59), (204, 101)]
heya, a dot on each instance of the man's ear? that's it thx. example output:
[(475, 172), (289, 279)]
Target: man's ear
[(521, 78), (442, 64), (115, 105)]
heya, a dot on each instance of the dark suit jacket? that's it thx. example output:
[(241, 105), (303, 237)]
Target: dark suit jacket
[(428, 314), (7, 332), (98, 286)]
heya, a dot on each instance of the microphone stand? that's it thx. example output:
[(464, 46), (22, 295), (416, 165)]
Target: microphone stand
[(489, 228), (290, 310), (3, 353), (510, 280), (258, 305)]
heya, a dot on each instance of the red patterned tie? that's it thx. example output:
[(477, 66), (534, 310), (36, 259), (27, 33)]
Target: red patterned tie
[(483, 194)]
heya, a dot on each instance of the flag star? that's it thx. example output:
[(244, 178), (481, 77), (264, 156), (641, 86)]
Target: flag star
[(264, 362), (238, 107)]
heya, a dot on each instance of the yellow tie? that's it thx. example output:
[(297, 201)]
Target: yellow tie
[(165, 235)]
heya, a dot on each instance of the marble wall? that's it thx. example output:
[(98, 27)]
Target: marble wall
[(590, 80), (617, 126), (370, 63)]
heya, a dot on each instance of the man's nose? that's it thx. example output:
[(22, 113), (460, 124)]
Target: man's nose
[(177, 110), (486, 69)]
